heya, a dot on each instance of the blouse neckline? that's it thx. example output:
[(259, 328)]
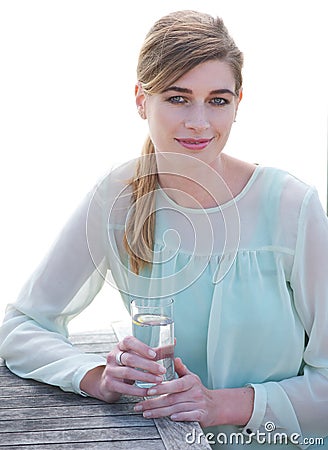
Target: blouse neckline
[(214, 209)]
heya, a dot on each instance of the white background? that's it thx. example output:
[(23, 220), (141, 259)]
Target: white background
[(67, 112)]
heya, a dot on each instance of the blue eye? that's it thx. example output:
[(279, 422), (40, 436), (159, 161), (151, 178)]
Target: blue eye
[(219, 101), (177, 99)]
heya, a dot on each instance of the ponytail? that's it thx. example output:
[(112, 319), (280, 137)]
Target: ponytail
[(138, 238)]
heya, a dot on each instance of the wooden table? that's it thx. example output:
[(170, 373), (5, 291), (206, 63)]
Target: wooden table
[(35, 416)]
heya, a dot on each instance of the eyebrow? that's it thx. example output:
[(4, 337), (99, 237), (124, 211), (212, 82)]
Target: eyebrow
[(189, 91)]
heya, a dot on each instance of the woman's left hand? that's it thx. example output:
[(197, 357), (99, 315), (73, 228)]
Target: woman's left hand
[(182, 399)]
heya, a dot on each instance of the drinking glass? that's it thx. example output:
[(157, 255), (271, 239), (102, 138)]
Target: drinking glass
[(153, 324)]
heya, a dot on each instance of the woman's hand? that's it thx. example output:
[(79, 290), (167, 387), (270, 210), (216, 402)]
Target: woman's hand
[(187, 399), (182, 399), (109, 382)]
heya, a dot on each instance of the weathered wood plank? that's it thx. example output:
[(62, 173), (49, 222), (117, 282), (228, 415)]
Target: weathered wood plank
[(9, 393), (105, 347), (74, 423), (40, 401), (46, 401), (93, 338), (82, 435), (82, 410), (36, 416), (26, 391), (115, 445), (175, 434), (122, 329)]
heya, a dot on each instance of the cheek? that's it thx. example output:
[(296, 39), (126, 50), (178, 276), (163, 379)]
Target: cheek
[(162, 126), (223, 122), (162, 113), (157, 133)]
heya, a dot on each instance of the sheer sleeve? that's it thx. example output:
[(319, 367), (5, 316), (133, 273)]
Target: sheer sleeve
[(33, 337), (299, 405)]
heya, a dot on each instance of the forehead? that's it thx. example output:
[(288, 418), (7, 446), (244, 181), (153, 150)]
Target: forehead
[(210, 75)]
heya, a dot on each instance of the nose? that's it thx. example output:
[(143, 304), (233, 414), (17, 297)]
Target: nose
[(197, 118)]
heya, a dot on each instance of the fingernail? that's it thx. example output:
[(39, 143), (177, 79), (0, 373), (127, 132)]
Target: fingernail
[(147, 414), (152, 353), (138, 408), (162, 369), (151, 392)]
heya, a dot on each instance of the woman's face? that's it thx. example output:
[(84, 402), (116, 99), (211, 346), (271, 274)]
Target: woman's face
[(194, 115)]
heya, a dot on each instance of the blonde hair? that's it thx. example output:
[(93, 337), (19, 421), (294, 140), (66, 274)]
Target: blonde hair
[(174, 45)]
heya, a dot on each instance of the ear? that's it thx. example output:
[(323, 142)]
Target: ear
[(240, 96), (140, 100)]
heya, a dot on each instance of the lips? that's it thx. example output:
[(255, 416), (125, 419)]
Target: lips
[(194, 144)]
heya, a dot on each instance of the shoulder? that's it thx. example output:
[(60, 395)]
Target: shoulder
[(115, 183), (119, 175), (287, 202), (267, 183), (283, 186)]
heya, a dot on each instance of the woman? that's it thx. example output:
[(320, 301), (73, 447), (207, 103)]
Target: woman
[(242, 248)]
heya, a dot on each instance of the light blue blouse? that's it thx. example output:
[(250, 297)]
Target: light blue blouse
[(250, 288)]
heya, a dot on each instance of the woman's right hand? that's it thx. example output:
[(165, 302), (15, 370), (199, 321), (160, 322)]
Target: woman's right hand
[(109, 382)]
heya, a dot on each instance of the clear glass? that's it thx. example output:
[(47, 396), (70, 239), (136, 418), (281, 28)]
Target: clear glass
[(153, 324)]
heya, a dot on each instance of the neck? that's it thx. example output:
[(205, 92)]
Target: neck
[(196, 185)]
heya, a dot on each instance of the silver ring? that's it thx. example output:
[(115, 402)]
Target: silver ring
[(118, 358)]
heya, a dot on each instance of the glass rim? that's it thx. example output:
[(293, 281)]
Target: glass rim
[(158, 301)]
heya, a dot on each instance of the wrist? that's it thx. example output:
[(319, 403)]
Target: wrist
[(234, 406), (91, 384)]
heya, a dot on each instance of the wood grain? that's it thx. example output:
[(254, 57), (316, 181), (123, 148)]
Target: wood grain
[(36, 416)]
